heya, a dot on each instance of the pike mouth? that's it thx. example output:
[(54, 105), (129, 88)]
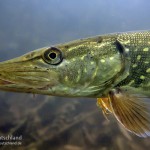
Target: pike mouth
[(27, 81), (4, 82), (22, 88), (12, 87)]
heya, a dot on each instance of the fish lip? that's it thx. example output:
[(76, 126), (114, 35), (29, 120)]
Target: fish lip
[(5, 82), (22, 79), (7, 77)]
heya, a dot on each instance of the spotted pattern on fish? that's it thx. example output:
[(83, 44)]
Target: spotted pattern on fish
[(139, 46)]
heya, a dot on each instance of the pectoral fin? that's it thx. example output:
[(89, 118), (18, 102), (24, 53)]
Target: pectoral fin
[(131, 110), (103, 103)]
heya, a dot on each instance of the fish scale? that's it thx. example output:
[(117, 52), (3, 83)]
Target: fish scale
[(138, 57)]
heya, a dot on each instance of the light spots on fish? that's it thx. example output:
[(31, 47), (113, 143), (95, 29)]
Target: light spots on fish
[(131, 82), (127, 49), (142, 77), (148, 70), (73, 59), (146, 49), (70, 49), (146, 62), (92, 62), (139, 52), (85, 70), (82, 58), (140, 41), (92, 53), (138, 57), (102, 60), (116, 70), (136, 50), (78, 76), (134, 65), (111, 58), (95, 73), (66, 78)]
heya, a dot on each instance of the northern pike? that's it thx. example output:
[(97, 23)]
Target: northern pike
[(114, 68)]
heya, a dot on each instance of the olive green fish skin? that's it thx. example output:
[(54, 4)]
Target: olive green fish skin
[(88, 68), (138, 45)]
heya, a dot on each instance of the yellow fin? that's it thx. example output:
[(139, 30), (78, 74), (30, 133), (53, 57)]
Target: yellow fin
[(131, 110), (103, 103)]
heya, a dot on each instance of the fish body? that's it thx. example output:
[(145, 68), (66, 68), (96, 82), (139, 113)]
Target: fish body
[(114, 68)]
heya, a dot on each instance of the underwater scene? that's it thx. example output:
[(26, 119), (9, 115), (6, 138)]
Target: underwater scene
[(30, 121)]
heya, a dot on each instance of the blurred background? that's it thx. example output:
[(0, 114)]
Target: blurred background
[(54, 123)]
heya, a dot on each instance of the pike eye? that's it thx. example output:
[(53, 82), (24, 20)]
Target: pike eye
[(53, 56)]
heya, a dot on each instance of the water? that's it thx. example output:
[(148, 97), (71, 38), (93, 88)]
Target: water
[(54, 123)]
